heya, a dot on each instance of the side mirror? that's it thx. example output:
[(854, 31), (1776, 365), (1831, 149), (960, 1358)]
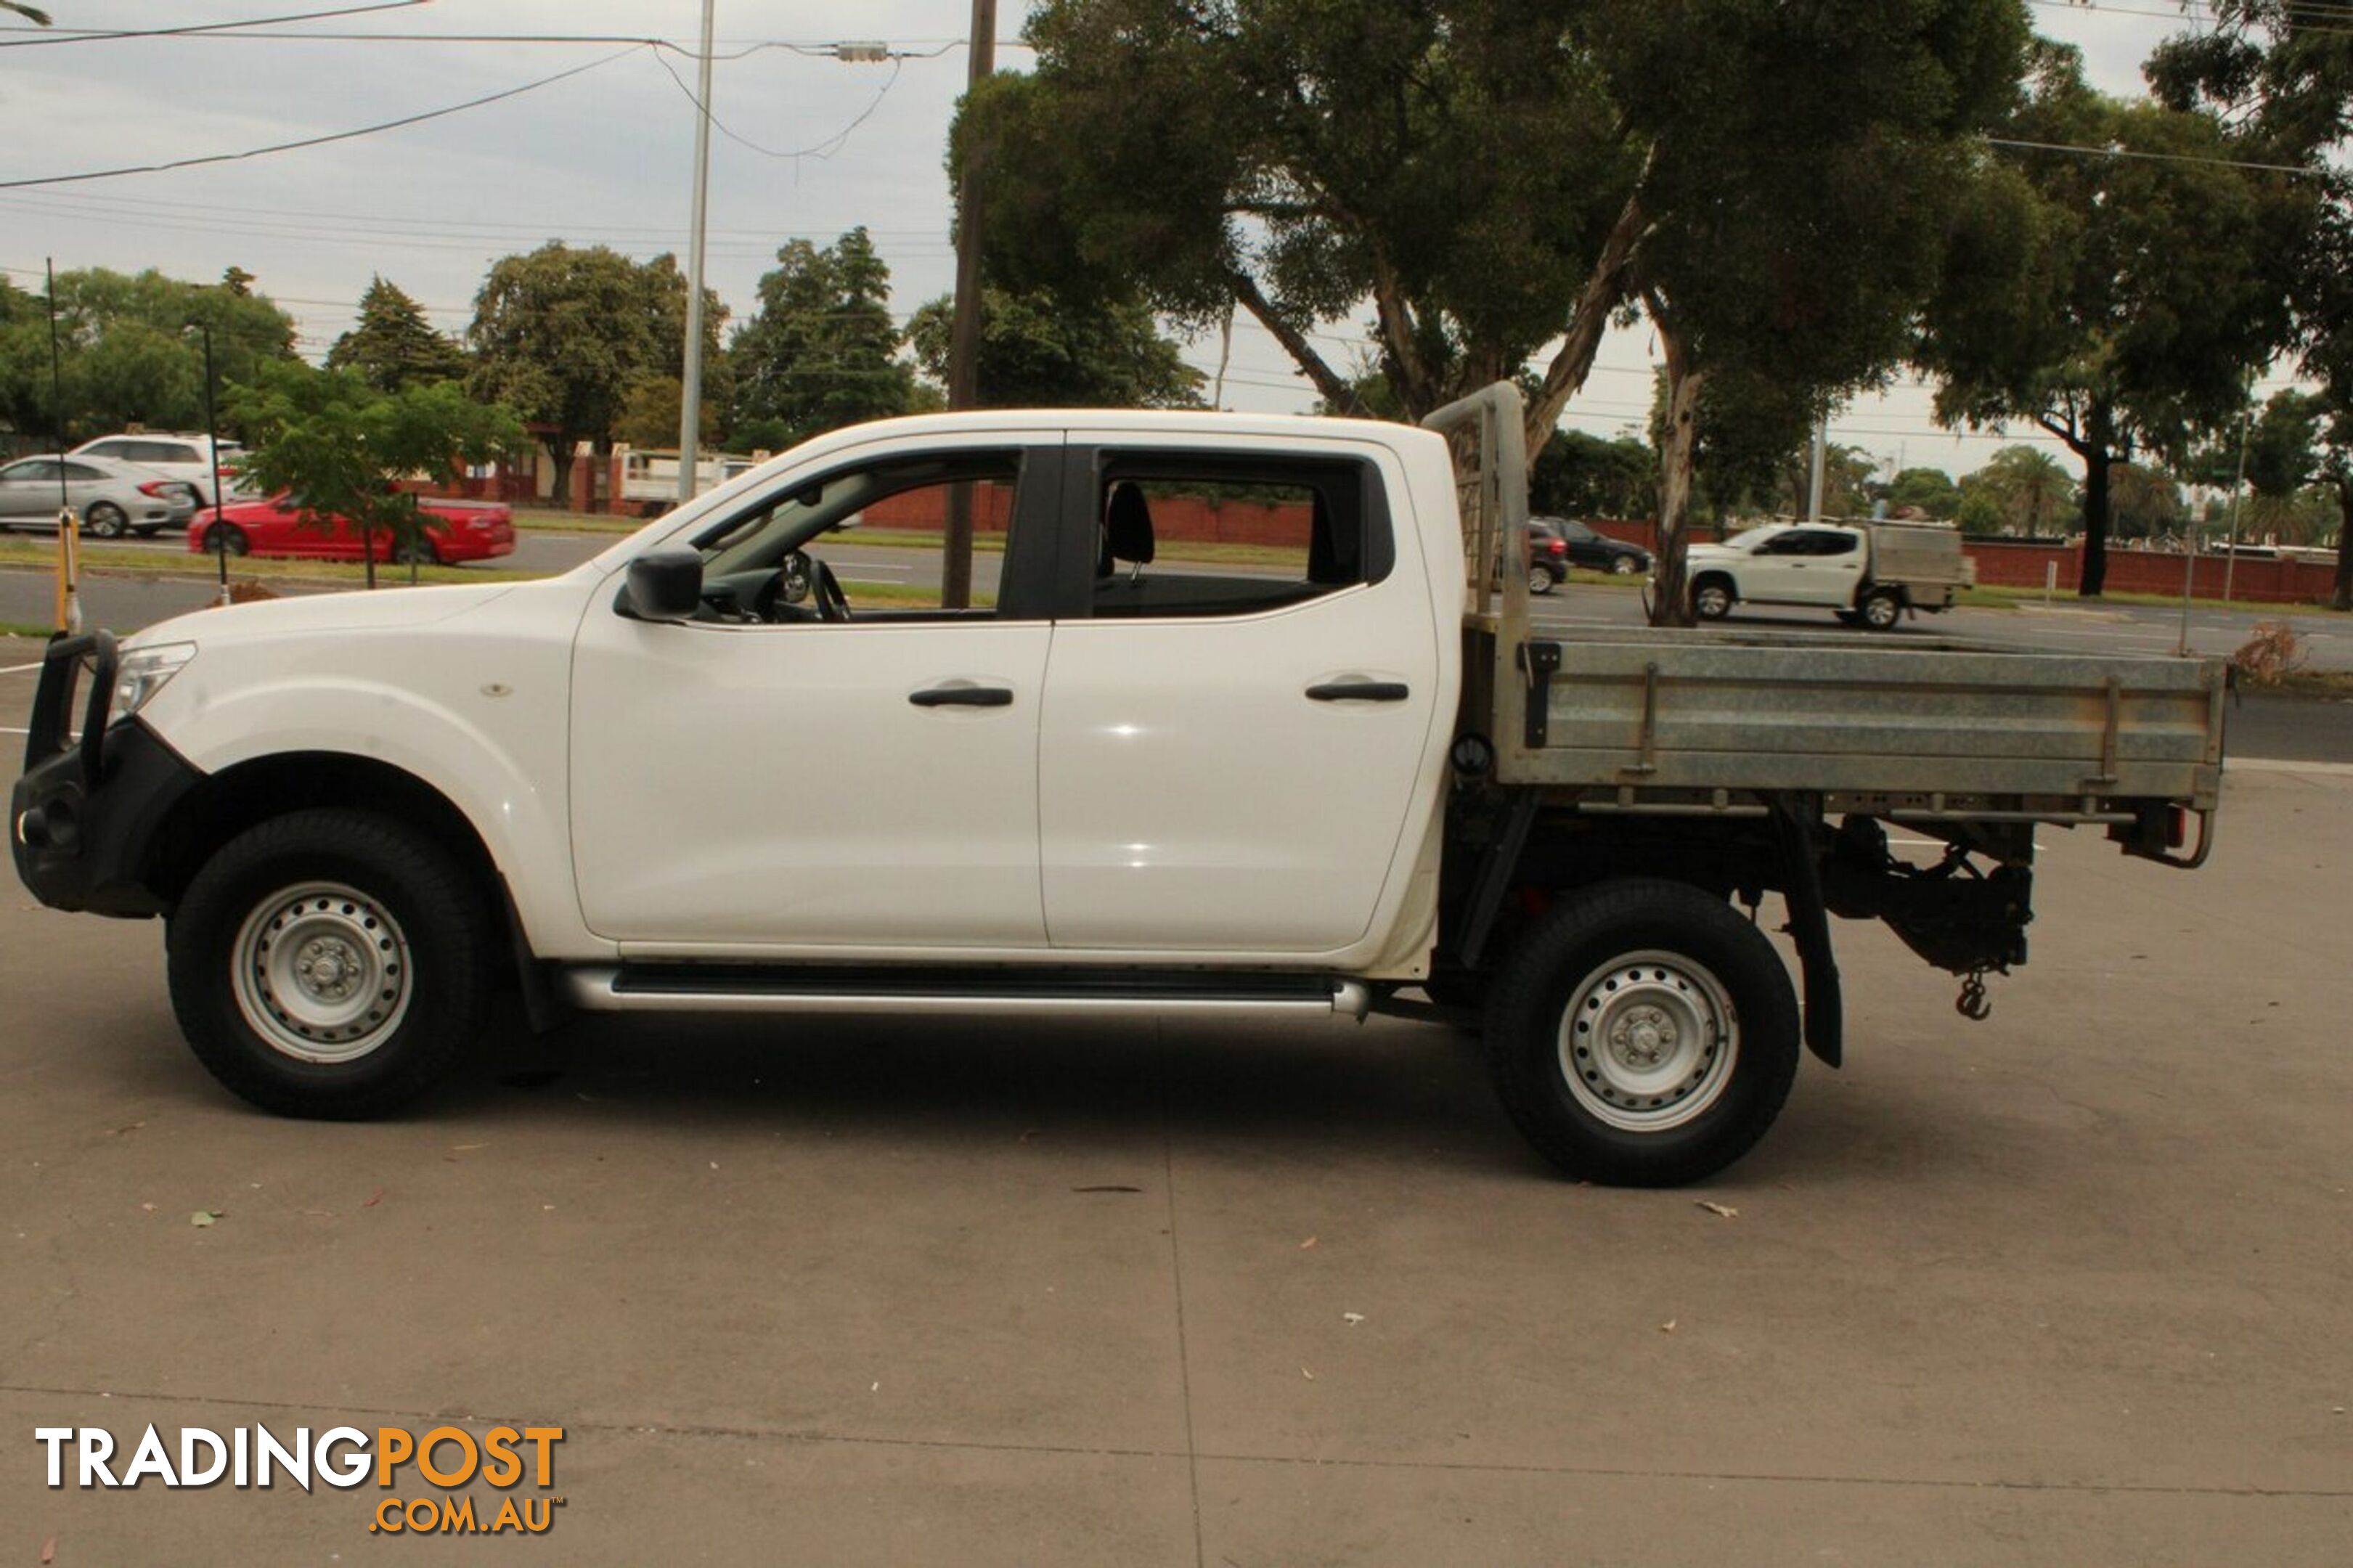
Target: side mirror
[(665, 585)]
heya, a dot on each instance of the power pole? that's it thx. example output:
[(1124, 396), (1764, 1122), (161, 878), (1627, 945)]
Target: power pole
[(690, 401), (1814, 472), (964, 341)]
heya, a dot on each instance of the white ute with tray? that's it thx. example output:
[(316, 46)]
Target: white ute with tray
[(695, 775)]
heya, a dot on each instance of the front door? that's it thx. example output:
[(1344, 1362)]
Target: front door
[(828, 762)]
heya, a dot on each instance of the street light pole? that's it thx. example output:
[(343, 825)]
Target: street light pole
[(690, 402), (212, 444), (964, 339)]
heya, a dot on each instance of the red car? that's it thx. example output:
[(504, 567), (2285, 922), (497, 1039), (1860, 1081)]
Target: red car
[(454, 530)]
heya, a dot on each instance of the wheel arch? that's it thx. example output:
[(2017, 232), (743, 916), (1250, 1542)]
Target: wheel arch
[(250, 793)]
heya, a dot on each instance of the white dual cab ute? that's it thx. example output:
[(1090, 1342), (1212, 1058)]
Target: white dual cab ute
[(697, 773), (1869, 574)]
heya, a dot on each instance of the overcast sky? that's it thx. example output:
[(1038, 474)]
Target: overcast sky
[(607, 156)]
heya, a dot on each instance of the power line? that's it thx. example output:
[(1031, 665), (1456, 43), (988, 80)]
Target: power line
[(909, 48), (2297, 169), (317, 140), (44, 37), (821, 150)]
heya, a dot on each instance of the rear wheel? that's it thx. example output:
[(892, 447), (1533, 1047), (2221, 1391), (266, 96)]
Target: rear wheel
[(329, 963), (105, 519), (1642, 1034), (1712, 600), (1539, 580), (231, 541), (1881, 608), (417, 555)]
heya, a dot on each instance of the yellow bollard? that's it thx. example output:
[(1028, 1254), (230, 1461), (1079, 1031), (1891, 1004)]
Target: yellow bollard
[(68, 594)]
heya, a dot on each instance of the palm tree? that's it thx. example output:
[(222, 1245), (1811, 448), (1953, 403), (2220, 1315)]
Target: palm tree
[(2031, 486)]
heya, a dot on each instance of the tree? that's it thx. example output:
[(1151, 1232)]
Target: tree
[(1498, 175), (562, 334), (392, 346), (2027, 487), (2143, 501), (2283, 71), (1039, 350), (2119, 302), (1579, 475), (822, 350), (1930, 490), (131, 350), (338, 445)]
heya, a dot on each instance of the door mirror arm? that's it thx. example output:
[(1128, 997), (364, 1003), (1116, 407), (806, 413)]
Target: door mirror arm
[(663, 585)]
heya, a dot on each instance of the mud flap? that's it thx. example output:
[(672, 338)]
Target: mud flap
[(1810, 926)]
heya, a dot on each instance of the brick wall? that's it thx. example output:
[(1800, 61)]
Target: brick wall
[(2256, 580)]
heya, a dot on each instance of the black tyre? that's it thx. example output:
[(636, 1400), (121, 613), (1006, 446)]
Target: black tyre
[(105, 519), (1621, 567), (1539, 580), (1712, 599), (330, 963), (1880, 609), (232, 540), (1642, 1034), (424, 554)]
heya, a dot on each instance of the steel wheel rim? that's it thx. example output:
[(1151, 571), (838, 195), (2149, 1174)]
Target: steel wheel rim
[(322, 973), (1649, 1041)]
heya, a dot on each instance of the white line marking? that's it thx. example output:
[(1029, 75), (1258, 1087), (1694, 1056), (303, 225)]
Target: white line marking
[(19, 668)]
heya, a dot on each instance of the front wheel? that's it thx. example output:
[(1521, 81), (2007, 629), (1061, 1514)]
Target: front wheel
[(1621, 567), (1642, 1034), (105, 519), (1712, 601), (329, 963)]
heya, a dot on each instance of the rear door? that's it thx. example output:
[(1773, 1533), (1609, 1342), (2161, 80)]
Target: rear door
[(28, 491), (1240, 710)]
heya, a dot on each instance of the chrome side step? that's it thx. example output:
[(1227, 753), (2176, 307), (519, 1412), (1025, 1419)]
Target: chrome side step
[(996, 993)]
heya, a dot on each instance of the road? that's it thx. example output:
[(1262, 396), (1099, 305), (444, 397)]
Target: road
[(2064, 1287)]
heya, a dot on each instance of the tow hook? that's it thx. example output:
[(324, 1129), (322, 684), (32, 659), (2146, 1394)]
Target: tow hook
[(1971, 1004)]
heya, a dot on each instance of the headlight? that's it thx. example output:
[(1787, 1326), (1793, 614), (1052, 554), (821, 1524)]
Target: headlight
[(143, 673)]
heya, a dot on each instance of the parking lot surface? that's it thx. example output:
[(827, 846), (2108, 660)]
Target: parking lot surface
[(2067, 1287)]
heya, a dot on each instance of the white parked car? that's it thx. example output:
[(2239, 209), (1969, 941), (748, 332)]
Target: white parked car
[(188, 458), (1871, 574), (111, 499)]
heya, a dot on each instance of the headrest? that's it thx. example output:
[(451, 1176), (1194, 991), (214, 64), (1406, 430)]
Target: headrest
[(1127, 525)]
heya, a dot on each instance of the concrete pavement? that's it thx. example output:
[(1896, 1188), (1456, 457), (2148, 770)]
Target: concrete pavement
[(2064, 1287)]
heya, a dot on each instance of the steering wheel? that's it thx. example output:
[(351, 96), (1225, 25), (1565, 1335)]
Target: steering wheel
[(825, 589)]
